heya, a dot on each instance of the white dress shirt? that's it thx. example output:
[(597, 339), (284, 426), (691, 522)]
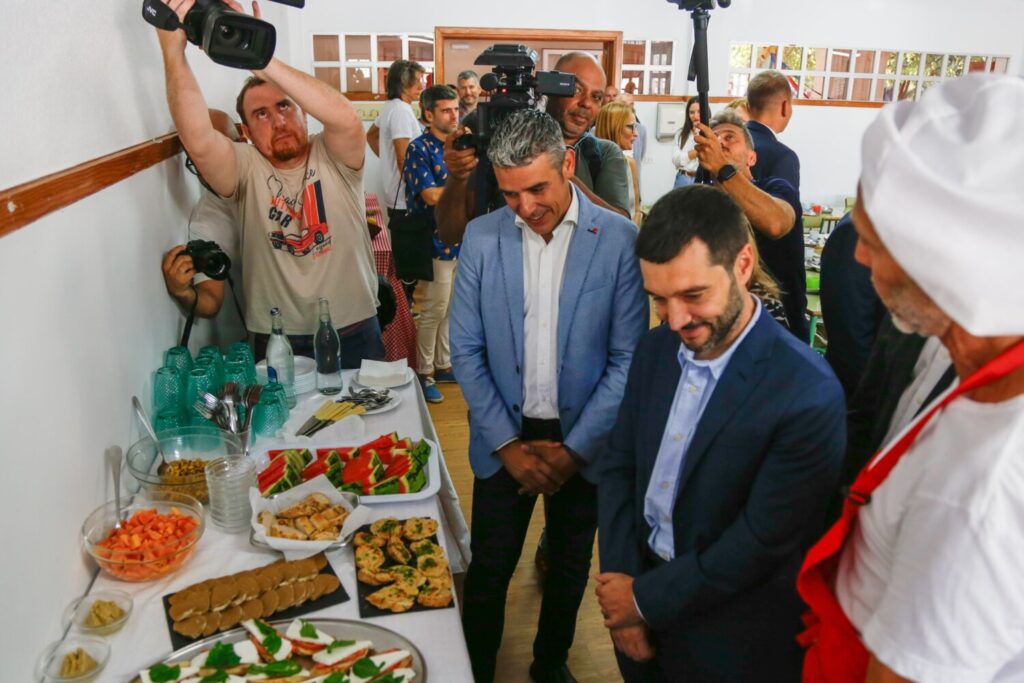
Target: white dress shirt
[(543, 267)]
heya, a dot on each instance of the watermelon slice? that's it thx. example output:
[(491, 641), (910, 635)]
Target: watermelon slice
[(413, 481), (385, 487), (384, 441), (321, 466), (365, 468), (421, 453)]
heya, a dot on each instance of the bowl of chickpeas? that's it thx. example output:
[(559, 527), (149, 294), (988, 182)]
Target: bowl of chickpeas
[(186, 453)]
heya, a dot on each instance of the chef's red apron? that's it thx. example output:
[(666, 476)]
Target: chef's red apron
[(835, 653)]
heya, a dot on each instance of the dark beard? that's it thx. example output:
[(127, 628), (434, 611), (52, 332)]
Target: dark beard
[(722, 326)]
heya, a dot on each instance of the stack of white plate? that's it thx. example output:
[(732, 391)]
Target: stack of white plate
[(305, 374)]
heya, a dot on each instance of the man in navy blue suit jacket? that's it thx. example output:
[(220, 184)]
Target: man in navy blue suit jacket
[(727, 448), (547, 309), (770, 99)]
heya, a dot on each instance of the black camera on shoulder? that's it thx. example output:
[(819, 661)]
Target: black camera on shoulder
[(226, 36), (513, 86), (208, 259)]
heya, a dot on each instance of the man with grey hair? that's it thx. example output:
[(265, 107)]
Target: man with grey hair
[(770, 103), (772, 205), (468, 86), (547, 308)]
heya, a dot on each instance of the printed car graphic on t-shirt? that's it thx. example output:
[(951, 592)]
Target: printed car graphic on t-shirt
[(313, 234)]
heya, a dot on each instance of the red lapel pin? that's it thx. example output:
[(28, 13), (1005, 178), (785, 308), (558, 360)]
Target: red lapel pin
[(592, 231)]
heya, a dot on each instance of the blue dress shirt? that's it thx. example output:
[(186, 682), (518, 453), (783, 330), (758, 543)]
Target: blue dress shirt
[(696, 385)]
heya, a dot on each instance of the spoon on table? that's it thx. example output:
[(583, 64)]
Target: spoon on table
[(144, 419), (114, 459)]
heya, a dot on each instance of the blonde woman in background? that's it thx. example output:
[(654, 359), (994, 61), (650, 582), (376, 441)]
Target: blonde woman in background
[(684, 157), (617, 122), (742, 108)]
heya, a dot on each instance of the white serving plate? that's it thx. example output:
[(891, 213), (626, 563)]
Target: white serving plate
[(342, 629), (433, 470)]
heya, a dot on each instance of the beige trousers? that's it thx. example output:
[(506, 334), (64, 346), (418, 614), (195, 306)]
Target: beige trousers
[(432, 348)]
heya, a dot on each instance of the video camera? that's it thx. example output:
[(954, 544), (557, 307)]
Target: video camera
[(226, 36), (513, 86)]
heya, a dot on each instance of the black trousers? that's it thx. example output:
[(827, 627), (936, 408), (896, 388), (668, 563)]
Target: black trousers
[(500, 520)]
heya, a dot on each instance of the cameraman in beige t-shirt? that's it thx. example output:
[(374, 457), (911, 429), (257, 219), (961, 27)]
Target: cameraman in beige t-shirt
[(299, 200)]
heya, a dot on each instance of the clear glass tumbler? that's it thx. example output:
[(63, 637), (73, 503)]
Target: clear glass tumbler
[(229, 480)]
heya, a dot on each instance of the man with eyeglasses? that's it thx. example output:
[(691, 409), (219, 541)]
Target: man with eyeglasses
[(600, 166)]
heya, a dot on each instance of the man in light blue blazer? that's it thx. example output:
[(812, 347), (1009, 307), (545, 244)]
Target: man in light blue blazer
[(547, 309)]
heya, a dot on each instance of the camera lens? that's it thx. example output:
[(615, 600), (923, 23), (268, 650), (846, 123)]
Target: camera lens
[(216, 265), (229, 36)]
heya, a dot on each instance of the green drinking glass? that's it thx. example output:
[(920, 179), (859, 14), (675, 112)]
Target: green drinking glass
[(168, 390)]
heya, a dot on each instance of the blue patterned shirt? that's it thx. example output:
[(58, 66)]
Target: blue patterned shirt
[(424, 169)]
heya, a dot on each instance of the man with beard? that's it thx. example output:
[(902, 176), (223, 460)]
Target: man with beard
[(772, 205), (425, 176), (727, 448), (468, 86), (299, 199), (600, 166)]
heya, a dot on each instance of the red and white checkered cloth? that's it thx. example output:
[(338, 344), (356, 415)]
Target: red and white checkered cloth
[(400, 334)]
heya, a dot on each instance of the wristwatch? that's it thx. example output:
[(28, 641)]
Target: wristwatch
[(727, 171)]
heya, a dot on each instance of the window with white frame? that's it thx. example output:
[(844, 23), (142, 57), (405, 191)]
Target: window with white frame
[(358, 62), (647, 67), (825, 73)]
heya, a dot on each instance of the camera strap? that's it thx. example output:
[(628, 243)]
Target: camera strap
[(190, 320)]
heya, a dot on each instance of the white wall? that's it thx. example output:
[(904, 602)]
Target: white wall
[(85, 314)]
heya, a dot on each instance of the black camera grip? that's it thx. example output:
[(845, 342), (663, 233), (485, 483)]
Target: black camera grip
[(160, 15)]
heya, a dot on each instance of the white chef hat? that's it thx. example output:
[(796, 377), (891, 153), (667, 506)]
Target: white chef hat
[(943, 184)]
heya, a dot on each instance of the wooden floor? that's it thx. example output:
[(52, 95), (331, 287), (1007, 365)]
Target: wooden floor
[(592, 657)]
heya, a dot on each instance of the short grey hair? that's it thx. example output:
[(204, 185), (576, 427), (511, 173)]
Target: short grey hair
[(466, 75), (525, 135), (731, 117)]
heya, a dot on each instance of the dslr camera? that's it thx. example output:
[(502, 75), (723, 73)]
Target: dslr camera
[(513, 86), (208, 259), (226, 36)]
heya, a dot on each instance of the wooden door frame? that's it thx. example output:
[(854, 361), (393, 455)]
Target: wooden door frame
[(611, 42)]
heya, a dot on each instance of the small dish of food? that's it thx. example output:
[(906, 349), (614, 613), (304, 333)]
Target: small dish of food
[(72, 660), (100, 613)]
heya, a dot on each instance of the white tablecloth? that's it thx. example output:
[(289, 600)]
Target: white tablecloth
[(145, 639), (438, 633), (410, 419)]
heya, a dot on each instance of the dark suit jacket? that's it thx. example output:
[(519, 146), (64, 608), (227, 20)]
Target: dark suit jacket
[(758, 475), (850, 306), (889, 370), (774, 159)]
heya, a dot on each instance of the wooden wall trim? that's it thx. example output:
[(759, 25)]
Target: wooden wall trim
[(612, 42), (28, 202), (714, 99)]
